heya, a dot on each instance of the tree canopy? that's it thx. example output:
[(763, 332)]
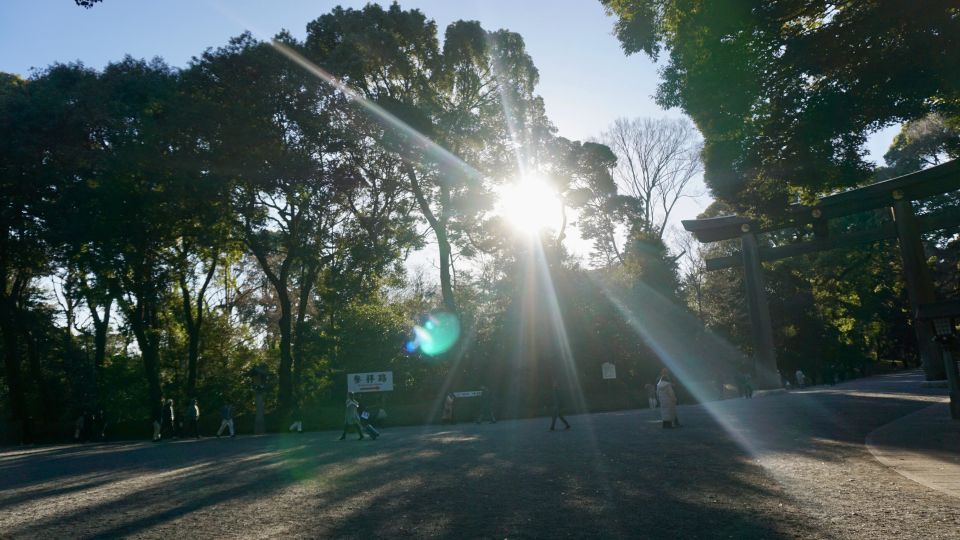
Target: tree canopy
[(169, 230), (785, 92)]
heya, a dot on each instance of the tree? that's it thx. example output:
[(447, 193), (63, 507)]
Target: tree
[(278, 137), (582, 175), (922, 143), (25, 187), (469, 106), (785, 92), (656, 161), (137, 199)]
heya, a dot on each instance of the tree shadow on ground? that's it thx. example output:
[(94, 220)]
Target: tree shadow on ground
[(504, 480), (614, 475)]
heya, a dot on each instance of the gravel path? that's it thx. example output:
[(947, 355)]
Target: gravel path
[(781, 466)]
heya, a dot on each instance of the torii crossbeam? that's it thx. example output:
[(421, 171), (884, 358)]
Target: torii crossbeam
[(905, 226)]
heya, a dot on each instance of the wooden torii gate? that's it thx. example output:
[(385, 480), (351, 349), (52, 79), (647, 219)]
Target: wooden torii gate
[(905, 226)]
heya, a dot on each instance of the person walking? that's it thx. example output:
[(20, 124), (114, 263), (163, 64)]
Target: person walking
[(226, 420), (80, 427), (668, 400), (101, 425), (558, 408), (651, 395), (157, 420), (381, 415), (168, 427), (297, 417), (486, 406), (447, 416), (193, 418), (351, 417), (801, 378)]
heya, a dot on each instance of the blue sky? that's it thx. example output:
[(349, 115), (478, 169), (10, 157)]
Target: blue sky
[(585, 79)]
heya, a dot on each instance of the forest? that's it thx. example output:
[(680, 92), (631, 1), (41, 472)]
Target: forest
[(167, 230)]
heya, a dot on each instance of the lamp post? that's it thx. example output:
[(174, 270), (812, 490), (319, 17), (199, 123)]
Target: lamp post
[(942, 316)]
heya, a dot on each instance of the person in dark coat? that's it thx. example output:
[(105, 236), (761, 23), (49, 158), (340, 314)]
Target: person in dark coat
[(168, 427), (558, 408), (193, 418), (80, 429), (226, 420), (88, 433), (101, 425), (486, 406)]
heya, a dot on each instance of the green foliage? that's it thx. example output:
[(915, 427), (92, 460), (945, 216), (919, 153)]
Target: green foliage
[(785, 92), (188, 225), (921, 143)]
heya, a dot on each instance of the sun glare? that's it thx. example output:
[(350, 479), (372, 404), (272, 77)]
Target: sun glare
[(530, 205)]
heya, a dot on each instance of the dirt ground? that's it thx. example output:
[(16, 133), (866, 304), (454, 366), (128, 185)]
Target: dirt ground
[(780, 466)]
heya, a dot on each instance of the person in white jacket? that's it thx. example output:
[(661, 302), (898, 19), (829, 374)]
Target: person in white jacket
[(668, 400)]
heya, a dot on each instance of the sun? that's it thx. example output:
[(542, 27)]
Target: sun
[(530, 205)]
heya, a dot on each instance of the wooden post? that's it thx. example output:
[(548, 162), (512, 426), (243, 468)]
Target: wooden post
[(919, 284), (764, 356)]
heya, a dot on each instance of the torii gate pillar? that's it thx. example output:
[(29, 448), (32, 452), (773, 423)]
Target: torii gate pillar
[(919, 283), (764, 355)]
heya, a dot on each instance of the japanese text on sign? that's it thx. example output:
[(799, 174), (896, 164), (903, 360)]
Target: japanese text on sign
[(379, 381)]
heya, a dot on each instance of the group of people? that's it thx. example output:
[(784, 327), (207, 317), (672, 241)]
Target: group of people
[(90, 426), (663, 395), (167, 425)]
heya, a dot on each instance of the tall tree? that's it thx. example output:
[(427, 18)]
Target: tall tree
[(922, 143), (785, 92), (134, 197), (25, 185), (656, 162), (277, 135), (473, 101)]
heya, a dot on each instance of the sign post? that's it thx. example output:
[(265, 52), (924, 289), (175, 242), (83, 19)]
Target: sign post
[(377, 381), (609, 370)]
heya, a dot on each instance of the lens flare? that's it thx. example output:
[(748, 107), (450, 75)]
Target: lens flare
[(437, 335), (530, 205)]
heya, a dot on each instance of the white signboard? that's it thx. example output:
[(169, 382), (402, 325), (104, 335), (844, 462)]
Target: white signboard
[(609, 370), (378, 381), (472, 393)]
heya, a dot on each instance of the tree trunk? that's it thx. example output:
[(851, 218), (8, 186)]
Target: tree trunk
[(11, 361), (439, 227), (150, 352), (280, 284), (34, 363), (142, 319), (101, 326), (284, 378), (446, 280), (307, 281), (194, 324)]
